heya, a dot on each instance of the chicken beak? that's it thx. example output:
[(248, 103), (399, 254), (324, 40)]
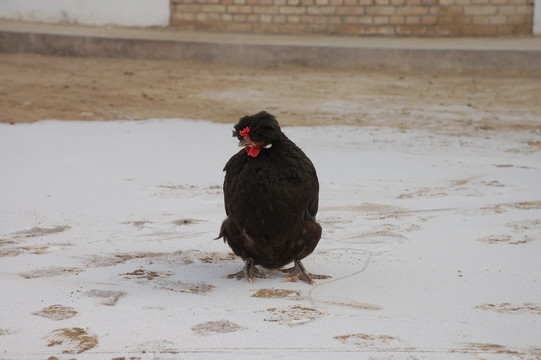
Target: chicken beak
[(246, 142)]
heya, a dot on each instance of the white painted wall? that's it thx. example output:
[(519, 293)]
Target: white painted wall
[(537, 17), (89, 12)]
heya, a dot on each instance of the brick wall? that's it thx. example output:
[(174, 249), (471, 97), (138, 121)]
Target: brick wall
[(357, 17)]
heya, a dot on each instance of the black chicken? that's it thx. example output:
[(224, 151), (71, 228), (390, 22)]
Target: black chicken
[(271, 200)]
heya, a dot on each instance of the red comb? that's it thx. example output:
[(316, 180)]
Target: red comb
[(245, 133)]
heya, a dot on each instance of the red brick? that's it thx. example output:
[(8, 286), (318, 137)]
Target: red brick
[(379, 30), (381, 20), (201, 17), (320, 29), (264, 9), (188, 8), (239, 9), (498, 20), (292, 10), (412, 10), (349, 10), (366, 20), (524, 28), (396, 20), (452, 10), (265, 18), (331, 19), (516, 19), (480, 20), (350, 30), (213, 8), (524, 9), (320, 20), (188, 16), (240, 27), (429, 20), (479, 29), (480, 10), (505, 30), (268, 28), (507, 10), (293, 19), (411, 30), (307, 19), (179, 17), (381, 10), (321, 10), (413, 20)]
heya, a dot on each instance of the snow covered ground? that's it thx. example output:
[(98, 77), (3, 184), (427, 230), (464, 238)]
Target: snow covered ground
[(107, 250)]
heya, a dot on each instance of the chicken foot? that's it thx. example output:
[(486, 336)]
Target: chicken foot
[(298, 272), (249, 271)]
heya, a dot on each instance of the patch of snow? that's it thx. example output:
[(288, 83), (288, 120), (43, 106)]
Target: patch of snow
[(432, 242)]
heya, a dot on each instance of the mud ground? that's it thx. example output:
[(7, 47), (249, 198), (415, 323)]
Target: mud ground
[(35, 87)]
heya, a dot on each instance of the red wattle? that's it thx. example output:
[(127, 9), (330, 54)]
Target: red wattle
[(253, 151)]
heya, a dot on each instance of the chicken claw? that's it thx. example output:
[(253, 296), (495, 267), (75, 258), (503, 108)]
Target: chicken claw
[(249, 271), (298, 272)]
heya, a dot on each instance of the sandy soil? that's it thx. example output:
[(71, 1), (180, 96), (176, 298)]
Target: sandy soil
[(34, 87)]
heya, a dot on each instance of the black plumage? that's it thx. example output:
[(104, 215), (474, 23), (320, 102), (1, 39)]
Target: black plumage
[(271, 195)]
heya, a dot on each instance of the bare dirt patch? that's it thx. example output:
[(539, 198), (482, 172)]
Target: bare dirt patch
[(368, 340), (39, 231), (512, 309), (108, 89), (276, 293), (74, 340), (50, 272), (56, 312), (214, 257), (500, 239), (146, 274), (106, 297), (490, 348), (216, 327), (293, 315), (198, 288)]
